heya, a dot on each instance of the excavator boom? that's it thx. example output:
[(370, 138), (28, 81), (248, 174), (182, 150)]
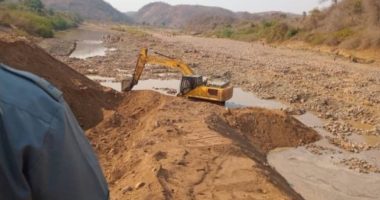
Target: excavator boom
[(163, 61)]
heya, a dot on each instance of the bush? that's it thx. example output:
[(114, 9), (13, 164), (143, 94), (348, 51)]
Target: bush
[(344, 33), (227, 32), (59, 23), (32, 23), (224, 32), (292, 32)]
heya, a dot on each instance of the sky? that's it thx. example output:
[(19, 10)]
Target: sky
[(294, 6)]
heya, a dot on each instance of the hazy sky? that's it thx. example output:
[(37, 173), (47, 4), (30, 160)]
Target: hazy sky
[(295, 6)]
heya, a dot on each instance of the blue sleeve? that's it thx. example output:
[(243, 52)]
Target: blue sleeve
[(67, 167), (47, 159), (12, 183), (44, 154)]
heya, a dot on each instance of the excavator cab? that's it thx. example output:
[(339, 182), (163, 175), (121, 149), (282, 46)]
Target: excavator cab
[(191, 86), (190, 82), (194, 86)]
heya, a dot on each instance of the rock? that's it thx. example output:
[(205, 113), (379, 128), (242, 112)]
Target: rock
[(294, 111), (160, 155), (139, 185), (127, 189)]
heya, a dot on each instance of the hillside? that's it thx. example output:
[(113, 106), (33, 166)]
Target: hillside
[(193, 17), (347, 24), (162, 14), (350, 24), (88, 9)]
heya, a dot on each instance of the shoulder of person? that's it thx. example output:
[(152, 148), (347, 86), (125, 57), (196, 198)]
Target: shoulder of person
[(28, 92)]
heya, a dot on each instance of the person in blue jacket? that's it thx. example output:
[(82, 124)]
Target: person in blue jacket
[(44, 154)]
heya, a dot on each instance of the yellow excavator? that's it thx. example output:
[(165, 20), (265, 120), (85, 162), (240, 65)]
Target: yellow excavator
[(191, 86)]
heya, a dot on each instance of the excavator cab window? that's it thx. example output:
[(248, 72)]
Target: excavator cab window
[(189, 83)]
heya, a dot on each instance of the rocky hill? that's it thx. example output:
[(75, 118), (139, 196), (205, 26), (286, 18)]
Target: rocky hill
[(194, 17), (88, 9), (162, 14)]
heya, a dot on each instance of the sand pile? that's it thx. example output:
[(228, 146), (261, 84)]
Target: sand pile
[(160, 147), (265, 129), (85, 97)]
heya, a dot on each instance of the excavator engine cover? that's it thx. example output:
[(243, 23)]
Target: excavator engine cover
[(189, 83)]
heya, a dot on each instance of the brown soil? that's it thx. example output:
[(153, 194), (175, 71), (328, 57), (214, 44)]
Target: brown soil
[(265, 129), (160, 147), (85, 97)]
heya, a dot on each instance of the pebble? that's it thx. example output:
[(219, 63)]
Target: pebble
[(127, 189), (139, 185)]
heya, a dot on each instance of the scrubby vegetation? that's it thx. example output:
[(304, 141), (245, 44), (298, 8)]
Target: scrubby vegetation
[(31, 17), (271, 31), (129, 29), (351, 24)]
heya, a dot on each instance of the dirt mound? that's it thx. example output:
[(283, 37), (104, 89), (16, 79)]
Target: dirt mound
[(265, 129), (85, 97), (160, 147)]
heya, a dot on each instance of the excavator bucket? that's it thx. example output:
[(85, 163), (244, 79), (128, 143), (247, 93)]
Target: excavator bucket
[(128, 84)]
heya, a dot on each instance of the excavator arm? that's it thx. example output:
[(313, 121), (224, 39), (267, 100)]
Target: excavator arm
[(144, 59)]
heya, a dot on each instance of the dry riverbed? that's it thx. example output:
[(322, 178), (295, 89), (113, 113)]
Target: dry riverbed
[(344, 95)]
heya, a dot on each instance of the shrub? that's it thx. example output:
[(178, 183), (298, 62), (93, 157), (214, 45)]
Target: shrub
[(292, 32), (59, 23), (344, 33), (227, 32)]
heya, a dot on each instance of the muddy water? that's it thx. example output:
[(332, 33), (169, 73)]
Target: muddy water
[(88, 43), (241, 98), (107, 82), (89, 48), (158, 85), (318, 177)]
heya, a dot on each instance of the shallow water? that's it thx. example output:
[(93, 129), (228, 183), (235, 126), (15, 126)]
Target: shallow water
[(241, 99), (318, 177), (157, 85), (106, 82), (89, 48)]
